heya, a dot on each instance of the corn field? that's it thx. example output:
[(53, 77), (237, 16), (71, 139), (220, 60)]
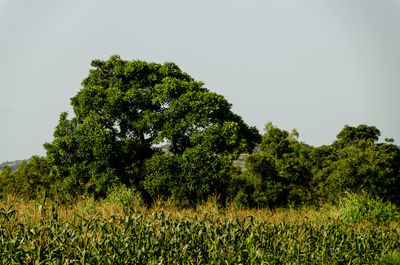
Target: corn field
[(161, 240)]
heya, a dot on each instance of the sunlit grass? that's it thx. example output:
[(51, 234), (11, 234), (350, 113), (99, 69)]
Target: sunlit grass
[(27, 211)]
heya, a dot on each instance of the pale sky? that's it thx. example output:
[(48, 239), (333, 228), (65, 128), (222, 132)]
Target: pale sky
[(313, 65)]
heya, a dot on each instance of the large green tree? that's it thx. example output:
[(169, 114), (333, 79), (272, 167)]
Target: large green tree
[(125, 110)]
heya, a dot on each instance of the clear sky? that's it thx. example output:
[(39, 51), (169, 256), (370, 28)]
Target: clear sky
[(313, 65)]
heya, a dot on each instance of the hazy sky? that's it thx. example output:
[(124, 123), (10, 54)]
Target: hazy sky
[(310, 65)]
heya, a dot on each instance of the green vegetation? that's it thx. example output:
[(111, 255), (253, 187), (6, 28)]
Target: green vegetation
[(126, 109), (30, 180), (355, 208), (109, 154), (206, 235)]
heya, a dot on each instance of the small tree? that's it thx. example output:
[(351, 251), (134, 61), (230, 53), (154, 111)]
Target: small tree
[(281, 173), (363, 166), (350, 135), (356, 163), (30, 179)]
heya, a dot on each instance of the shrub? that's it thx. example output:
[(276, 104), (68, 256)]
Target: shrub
[(189, 178), (240, 190), (390, 259), (357, 207), (129, 198)]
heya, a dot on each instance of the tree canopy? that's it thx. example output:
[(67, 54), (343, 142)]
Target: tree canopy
[(125, 110)]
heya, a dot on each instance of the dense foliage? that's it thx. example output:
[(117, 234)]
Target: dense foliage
[(280, 174), (30, 180), (127, 109), (289, 172)]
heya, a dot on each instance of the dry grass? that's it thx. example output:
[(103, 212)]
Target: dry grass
[(27, 211)]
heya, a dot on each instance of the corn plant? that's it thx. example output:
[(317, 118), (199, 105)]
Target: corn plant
[(135, 239)]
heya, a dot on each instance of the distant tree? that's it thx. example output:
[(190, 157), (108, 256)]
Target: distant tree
[(124, 110), (30, 179), (13, 165), (351, 134), (33, 177), (6, 181)]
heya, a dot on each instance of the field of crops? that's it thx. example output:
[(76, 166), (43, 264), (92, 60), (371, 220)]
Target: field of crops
[(159, 238)]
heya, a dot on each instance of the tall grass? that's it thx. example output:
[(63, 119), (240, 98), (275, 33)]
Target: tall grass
[(358, 207), (27, 211)]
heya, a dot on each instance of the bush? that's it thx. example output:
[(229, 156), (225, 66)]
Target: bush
[(129, 198), (357, 207), (390, 259), (189, 178), (240, 190), (160, 172)]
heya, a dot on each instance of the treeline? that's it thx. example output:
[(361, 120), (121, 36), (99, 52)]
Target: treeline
[(126, 109), (12, 165), (289, 172)]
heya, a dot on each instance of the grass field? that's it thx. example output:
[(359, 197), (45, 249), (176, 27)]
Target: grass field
[(102, 232)]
